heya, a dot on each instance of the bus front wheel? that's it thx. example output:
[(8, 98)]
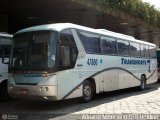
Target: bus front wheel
[(143, 83), (87, 91)]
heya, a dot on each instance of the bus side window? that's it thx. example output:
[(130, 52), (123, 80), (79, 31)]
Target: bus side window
[(152, 52), (123, 48), (90, 41), (135, 49), (5, 53), (109, 46), (5, 47), (67, 51), (144, 51)]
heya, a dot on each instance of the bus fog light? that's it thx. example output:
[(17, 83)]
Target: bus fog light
[(46, 88), (41, 89)]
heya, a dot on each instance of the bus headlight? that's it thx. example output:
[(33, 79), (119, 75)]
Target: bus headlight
[(10, 88)]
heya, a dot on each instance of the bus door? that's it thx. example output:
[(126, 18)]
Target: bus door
[(67, 58)]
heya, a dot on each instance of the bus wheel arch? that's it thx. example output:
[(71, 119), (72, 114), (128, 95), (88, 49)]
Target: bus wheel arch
[(92, 81)]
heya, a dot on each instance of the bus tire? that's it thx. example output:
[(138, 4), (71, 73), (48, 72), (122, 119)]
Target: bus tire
[(3, 91), (143, 83), (87, 91)]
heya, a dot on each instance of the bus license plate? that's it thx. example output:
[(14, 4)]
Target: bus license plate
[(23, 91)]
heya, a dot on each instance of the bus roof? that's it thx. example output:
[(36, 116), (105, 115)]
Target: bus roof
[(3, 34), (61, 26)]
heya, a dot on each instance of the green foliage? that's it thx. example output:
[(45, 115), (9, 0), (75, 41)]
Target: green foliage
[(144, 11)]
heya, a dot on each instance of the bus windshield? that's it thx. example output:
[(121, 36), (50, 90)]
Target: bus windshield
[(34, 51), (5, 46)]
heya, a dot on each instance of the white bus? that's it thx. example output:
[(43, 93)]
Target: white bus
[(5, 46), (158, 64), (64, 60)]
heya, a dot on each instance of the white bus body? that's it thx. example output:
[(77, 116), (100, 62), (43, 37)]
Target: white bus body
[(5, 45), (158, 64), (80, 61)]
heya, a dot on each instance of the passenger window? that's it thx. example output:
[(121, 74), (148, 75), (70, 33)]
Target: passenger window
[(152, 52), (144, 51), (90, 41), (109, 46), (5, 46), (5, 50), (135, 49), (123, 48), (68, 50)]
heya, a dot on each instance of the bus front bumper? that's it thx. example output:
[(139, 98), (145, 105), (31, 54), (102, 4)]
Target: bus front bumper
[(33, 92)]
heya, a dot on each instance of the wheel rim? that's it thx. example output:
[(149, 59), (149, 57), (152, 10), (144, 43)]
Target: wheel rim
[(87, 92)]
